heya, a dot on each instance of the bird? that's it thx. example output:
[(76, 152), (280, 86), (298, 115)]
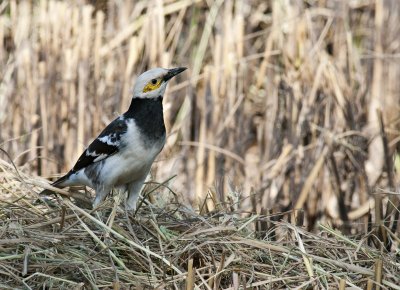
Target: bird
[(122, 155)]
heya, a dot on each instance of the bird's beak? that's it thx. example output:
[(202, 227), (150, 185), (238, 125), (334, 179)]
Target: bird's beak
[(173, 72)]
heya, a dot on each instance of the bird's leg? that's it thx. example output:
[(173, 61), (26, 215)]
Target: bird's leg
[(101, 193), (133, 194)]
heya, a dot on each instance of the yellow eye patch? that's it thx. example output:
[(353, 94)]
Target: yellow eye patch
[(152, 85)]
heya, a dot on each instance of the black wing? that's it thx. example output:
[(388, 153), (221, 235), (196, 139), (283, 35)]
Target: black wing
[(105, 145)]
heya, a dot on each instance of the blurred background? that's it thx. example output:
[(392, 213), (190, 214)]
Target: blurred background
[(286, 104)]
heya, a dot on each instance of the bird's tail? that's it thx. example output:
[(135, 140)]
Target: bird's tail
[(82, 200), (59, 183)]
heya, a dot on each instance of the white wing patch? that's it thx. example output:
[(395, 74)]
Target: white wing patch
[(100, 157), (94, 154), (110, 139)]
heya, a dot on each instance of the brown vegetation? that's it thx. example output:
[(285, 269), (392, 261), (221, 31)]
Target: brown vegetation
[(50, 243), (290, 111)]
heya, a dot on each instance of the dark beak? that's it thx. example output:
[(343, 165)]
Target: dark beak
[(173, 72)]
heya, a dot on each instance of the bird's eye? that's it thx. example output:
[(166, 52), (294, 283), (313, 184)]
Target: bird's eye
[(152, 85)]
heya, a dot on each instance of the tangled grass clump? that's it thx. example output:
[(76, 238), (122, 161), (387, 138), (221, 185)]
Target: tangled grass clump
[(51, 243)]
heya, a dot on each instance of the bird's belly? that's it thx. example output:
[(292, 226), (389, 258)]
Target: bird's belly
[(130, 165)]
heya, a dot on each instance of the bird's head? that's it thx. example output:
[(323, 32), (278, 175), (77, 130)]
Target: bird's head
[(152, 83)]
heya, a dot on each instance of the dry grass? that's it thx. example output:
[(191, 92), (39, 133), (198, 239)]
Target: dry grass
[(50, 243), (279, 106), (288, 116)]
